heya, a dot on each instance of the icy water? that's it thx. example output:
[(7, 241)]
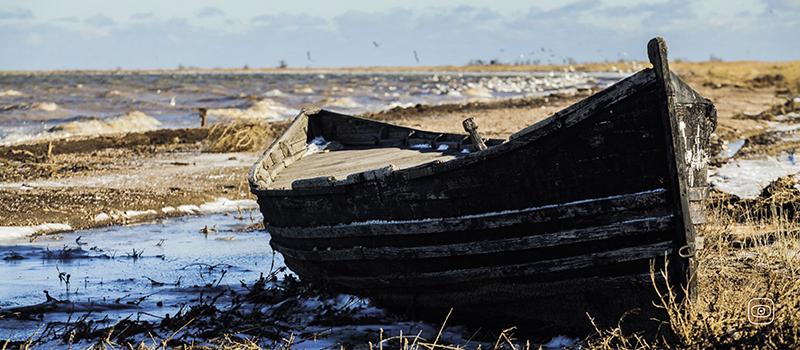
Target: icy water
[(57, 105), (145, 270)]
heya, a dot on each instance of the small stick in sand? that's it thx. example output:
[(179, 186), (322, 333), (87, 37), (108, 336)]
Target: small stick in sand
[(202, 112)]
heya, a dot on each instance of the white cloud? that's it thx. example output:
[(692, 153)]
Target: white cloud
[(583, 30)]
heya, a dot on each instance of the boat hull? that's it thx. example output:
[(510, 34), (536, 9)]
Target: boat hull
[(568, 217)]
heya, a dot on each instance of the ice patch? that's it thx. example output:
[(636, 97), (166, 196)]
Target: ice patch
[(17, 232), (746, 178), (729, 149), (264, 109), (318, 144), (222, 205), (560, 342), (102, 217)]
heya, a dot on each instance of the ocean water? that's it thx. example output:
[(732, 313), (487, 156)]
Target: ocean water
[(61, 105)]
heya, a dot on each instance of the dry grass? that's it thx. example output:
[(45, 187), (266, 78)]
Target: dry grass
[(240, 136), (752, 250), (743, 73)]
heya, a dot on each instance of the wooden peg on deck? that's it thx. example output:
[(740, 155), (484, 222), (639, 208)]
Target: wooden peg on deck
[(202, 112), (472, 128)]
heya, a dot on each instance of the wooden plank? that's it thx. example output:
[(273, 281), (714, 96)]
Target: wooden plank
[(431, 279), (583, 208), (616, 230)]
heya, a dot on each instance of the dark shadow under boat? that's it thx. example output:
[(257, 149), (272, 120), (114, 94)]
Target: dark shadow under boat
[(564, 218)]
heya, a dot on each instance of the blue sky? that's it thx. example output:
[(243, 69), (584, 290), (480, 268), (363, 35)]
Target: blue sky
[(78, 34)]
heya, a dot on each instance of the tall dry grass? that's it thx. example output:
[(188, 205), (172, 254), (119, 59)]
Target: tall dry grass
[(751, 255)]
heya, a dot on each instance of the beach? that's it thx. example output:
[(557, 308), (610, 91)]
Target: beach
[(106, 150)]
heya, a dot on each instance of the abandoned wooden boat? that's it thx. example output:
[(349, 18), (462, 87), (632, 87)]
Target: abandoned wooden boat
[(562, 219)]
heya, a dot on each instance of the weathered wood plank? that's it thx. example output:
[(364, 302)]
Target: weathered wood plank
[(582, 208), (617, 230), (444, 278)]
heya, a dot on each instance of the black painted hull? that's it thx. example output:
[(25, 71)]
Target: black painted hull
[(566, 217)]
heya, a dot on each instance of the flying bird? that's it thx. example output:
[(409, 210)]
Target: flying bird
[(308, 55), (416, 57), (376, 44)]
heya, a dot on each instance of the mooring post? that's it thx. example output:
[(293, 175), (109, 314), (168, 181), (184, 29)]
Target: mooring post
[(202, 112), (472, 128)]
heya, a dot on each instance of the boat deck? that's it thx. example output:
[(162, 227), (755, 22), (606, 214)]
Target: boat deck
[(341, 163)]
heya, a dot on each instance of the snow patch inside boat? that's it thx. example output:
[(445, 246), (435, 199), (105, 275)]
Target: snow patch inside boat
[(318, 144)]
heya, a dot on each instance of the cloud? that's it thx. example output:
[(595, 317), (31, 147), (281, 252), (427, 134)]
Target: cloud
[(142, 16), (441, 35), (99, 20), (70, 19), (17, 13), (210, 12)]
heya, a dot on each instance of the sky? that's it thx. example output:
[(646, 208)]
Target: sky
[(101, 34)]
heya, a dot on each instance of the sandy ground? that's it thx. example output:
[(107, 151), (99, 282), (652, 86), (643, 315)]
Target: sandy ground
[(124, 179), (73, 181)]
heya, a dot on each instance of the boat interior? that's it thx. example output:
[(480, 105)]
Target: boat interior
[(327, 148)]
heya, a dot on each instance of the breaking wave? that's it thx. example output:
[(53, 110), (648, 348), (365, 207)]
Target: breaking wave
[(131, 122), (341, 102), (10, 93), (264, 109), (45, 106)]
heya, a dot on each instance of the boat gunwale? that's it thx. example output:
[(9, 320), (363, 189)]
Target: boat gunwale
[(564, 118)]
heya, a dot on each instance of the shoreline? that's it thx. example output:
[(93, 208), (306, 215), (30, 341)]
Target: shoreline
[(133, 177)]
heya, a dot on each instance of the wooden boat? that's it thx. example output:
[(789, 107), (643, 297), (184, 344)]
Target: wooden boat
[(562, 219)]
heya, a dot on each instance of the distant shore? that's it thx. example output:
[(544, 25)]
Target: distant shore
[(720, 69)]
